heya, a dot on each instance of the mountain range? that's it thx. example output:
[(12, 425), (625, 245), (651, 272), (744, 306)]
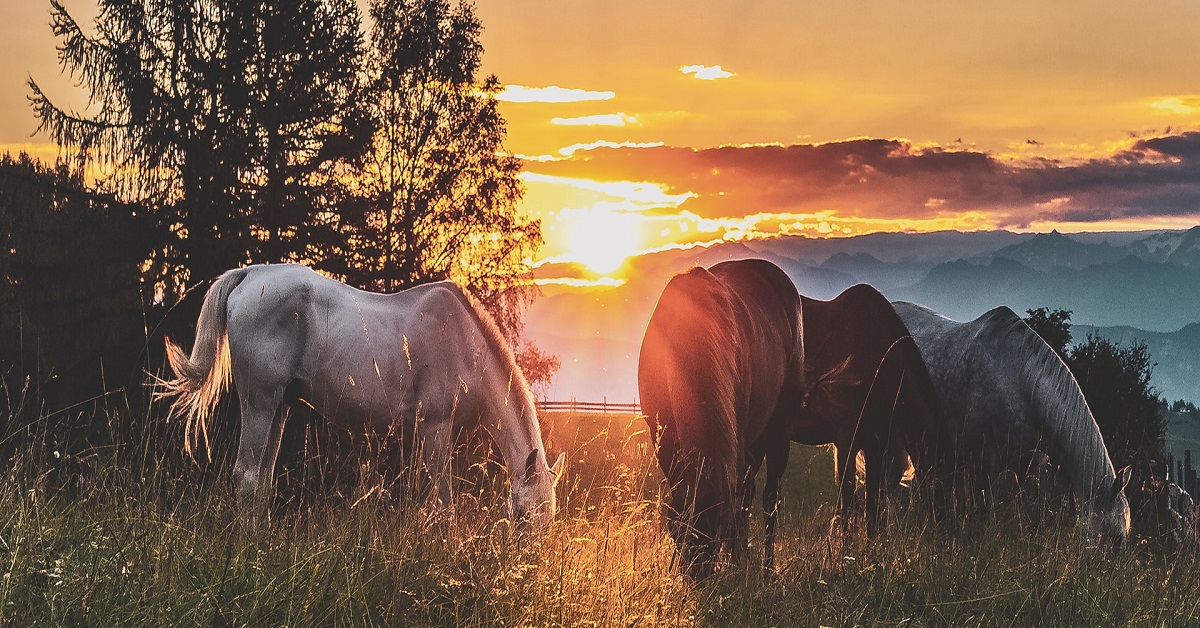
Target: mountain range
[(1175, 356), (1125, 286)]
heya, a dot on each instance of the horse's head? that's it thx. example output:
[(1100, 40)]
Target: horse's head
[(696, 512), (1108, 518), (533, 502)]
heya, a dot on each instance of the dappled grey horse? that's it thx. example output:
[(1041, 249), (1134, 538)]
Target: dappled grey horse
[(1013, 395), (427, 360)]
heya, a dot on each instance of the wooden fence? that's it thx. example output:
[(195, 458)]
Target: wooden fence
[(600, 407)]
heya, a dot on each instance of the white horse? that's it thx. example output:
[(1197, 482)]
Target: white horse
[(427, 360), (1012, 394)]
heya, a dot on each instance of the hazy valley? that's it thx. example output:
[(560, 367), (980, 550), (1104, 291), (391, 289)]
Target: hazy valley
[(1124, 286)]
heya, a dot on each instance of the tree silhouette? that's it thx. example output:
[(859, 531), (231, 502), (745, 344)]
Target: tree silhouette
[(538, 367), (1054, 326), (258, 131), (70, 305), (436, 196), (217, 115), (1115, 380)]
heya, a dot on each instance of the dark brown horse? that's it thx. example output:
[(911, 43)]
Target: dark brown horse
[(868, 391), (720, 376)]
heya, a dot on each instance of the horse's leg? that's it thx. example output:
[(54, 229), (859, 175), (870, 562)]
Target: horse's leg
[(741, 533), (874, 460), (263, 419), (936, 483), (434, 438), (777, 458), (847, 482)]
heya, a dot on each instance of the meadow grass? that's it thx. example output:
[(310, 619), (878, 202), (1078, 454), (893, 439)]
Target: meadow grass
[(112, 544)]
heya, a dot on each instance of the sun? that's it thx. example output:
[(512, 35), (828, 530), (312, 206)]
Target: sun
[(602, 239)]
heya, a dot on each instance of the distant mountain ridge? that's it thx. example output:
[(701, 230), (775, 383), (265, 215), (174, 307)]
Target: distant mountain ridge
[(1172, 247), (1145, 282), (1047, 251)]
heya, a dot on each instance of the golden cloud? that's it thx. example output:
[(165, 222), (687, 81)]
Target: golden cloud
[(624, 195), (568, 151), (604, 119), (551, 94), (706, 72), (1182, 105), (914, 187)]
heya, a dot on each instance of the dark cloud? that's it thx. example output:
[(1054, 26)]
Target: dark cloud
[(1185, 146), (875, 178)]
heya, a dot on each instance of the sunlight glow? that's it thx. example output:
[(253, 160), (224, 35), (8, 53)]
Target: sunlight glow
[(823, 224), (575, 282), (1142, 223), (568, 151), (603, 239)]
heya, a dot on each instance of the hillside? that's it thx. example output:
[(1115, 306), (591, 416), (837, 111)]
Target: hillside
[(1183, 435), (1157, 296), (1175, 355)]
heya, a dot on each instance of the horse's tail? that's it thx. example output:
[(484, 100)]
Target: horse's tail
[(201, 378)]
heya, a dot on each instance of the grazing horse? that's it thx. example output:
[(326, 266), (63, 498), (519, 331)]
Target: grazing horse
[(425, 361), (1014, 395), (867, 391), (719, 373)]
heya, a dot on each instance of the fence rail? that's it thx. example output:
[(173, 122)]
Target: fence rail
[(602, 407)]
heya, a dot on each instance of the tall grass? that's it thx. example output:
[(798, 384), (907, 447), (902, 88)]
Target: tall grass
[(109, 540)]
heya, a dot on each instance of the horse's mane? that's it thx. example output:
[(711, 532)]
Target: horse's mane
[(698, 310), (496, 341), (1056, 403)]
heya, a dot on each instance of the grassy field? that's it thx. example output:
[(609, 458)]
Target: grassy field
[(102, 543)]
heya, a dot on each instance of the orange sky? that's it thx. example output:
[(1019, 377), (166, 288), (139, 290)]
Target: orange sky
[(989, 87), (822, 117)]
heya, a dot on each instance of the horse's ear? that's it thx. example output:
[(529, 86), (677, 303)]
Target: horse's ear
[(531, 464), (556, 470), (1123, 477)]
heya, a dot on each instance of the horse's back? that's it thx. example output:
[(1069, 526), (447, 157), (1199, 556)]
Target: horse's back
[(769, 311), (763, 287), (853, 339), (976, 369), (863, 369), (350, 352), (860, 322), (944, 344)]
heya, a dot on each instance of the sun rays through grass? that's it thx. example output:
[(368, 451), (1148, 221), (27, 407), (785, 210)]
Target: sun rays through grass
[(116, 547)]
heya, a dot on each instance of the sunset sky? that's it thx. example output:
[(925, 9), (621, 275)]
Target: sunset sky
[(655, 124)]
